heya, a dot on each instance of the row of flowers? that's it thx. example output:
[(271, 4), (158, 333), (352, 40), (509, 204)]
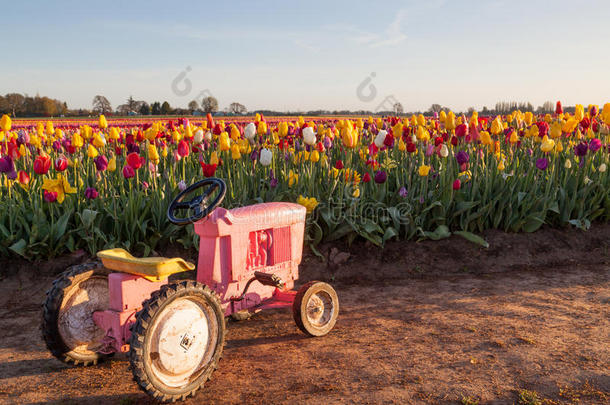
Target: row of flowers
[(463, 173)]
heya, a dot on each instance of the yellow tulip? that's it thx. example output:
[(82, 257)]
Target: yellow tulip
[(98, 141), (421, 120), (402, 146), (514, 138), (424, 170), (529, 118), (77, 140), (114, 133), (5, 123), (262, 128), (214, 158), (558, 147), (224, 141), (579, 112), (356, 192), (234, 132), (292, 178), (501, 165), (50, 130), (92, 152), (309, 203), (547, 144), (442, 116), (450, 121), (314, 156), (282, 129), (556, 130), (485, 138), (103, 123), (111, 164), (164, 151), (235, 154), (153, 154), (60, 185), (497, 126)]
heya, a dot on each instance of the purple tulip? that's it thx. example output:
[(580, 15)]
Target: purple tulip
[(11, 175), (542, 163), (581, 149), (57, 146), (430, 149), (6, 165), (23, 137), (380, 177), (328, 143), (91, 193), (595, 144), (181, 185), (254, 155), (272, 180), (462, 157), (101, 163), (402, 192)]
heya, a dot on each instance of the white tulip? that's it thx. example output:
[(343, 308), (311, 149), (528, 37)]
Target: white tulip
[(380, 138), (208, 136), (444, 151), (198, 138), (309, 137), (602, 168), (266, 157), (250, 131)]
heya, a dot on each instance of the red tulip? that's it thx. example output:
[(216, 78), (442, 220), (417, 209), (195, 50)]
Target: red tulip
[(23, 177), (461, 130), (42, 164), (454, 140), (208, 169), (366, 178), (558, 108), (339, 165), (457, 184), (135, 161), (60, 164), (210, 121), (183, 148), (50, 196), (411, 148), (128, 171)]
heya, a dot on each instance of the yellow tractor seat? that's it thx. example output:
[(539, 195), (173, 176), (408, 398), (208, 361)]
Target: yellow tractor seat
[(151, 268)]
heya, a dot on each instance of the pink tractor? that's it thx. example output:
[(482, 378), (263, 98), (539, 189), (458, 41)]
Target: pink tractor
[(174, 332)]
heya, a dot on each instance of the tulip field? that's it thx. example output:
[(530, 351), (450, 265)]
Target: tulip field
[(94, 184)]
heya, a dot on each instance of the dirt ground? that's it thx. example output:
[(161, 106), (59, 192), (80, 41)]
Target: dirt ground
[(442, 322)]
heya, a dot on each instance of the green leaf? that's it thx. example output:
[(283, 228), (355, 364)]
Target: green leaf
[(87, 217), (389, 233), (441, 232), (472, 238), (19, 247)]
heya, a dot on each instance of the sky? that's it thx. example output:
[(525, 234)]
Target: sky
[(300, 56)]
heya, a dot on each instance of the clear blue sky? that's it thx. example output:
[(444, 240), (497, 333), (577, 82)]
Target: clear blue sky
[(308, 55)]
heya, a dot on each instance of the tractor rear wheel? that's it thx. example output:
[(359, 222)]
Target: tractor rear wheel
[(316, 308), (177, 340), (67, 315)]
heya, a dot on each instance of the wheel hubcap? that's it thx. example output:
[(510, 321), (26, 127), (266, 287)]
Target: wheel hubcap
[(182, 341), (320, 309), (75, 320)]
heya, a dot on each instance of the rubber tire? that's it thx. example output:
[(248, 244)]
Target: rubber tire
[(299, 308), (68, 280), (145, 319)]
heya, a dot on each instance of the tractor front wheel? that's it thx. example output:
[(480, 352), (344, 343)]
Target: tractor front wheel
[(177, 340), (67, 315), (316, 308)]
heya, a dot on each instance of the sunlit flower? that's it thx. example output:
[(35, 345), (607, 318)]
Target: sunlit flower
[(60, 186), (423, 170), (309, 203)]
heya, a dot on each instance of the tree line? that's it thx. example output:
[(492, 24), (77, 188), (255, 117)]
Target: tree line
[(19, 105)]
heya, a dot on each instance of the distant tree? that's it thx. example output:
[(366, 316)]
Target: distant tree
[(101, 105), (237, 108), (209, 104), (435, 108), (132, 104), (398, 109), (145, 109), (123, 109), (193, 106), (166, 108), (155, 108), (15, 103), (548, 107), (470, 110)]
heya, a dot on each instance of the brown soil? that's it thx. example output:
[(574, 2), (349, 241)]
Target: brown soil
[(430, 322)]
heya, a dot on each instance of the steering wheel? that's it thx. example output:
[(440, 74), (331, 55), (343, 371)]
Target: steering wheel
[(199, 204)]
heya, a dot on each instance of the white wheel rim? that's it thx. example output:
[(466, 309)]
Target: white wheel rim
[(182, 341), (320, 309), (75, 318)]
